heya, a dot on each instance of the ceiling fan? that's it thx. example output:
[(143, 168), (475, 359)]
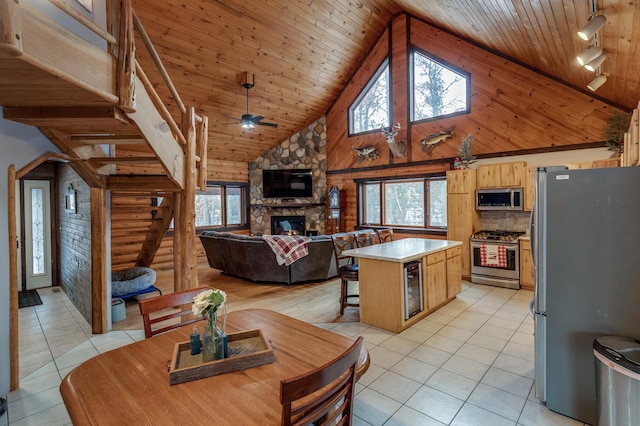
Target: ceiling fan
[(248, 121)]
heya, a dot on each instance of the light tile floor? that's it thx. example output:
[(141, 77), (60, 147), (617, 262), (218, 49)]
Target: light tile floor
[(469, 363)]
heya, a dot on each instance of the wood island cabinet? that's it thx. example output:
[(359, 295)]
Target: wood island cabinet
[(436, 279), (502, 175), (454, 271), (526, 265), (462, 217), (381, 279)]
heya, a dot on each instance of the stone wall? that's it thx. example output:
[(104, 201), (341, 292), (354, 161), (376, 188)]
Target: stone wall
[(75, 241), (304, 150)]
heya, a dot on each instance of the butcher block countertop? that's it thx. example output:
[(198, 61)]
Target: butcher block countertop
[(402, 251)]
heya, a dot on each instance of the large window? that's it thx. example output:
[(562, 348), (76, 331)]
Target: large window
[(412, 203), (371, 109), (221, 205), (438, 89)]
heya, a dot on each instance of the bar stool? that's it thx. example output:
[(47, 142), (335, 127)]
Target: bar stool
[(347, 268)]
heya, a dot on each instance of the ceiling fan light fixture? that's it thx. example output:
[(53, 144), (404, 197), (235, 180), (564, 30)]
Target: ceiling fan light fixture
[(593, 64), (592, 27), (589, 54), (597, 82)]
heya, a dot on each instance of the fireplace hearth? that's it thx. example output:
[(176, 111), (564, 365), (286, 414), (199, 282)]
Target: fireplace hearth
[(288, 225)]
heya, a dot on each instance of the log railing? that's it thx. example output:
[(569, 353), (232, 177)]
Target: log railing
[(124, 21)]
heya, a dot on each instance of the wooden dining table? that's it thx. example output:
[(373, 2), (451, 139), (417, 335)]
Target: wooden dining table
[(130, 384)]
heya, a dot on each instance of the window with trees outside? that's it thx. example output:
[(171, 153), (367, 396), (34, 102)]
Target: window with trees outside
[(222, 205), (437, 89), (370, 111), (412, 203)]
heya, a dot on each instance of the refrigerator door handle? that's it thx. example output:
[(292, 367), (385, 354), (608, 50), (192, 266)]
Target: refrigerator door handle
[(531, 311), (532, 234)]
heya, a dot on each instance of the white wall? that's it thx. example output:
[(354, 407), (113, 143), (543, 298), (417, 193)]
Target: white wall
[(19, 144)]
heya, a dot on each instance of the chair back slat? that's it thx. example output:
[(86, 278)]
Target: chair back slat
[(342, 242), (384, 235), (165, 306), (364, 238), (323, 395)]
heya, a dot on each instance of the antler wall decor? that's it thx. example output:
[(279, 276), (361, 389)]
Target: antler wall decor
[(397, 148)]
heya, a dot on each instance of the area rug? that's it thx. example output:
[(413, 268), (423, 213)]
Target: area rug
[(28, 298)]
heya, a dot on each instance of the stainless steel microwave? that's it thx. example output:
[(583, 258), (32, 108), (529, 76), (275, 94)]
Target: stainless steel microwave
[(499, 199)]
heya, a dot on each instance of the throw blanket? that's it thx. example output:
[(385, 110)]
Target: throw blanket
[(287, 248), (493, 255)]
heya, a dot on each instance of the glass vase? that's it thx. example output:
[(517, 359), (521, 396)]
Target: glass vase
[(214, 338)]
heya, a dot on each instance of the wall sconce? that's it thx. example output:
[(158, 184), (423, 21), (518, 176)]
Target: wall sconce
[(597, 82), (70, 205), (592, 27), (589, 54), (593, 64)]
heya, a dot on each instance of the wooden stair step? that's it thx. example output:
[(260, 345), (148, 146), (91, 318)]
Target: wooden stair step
[(141, 183), (74, 120)]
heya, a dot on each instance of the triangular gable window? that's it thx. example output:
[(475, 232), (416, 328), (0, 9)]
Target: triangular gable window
[(371, 109), (438, 89)]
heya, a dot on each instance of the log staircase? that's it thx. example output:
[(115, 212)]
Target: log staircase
[(96, 104)]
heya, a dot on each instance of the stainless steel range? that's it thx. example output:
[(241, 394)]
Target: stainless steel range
[(495, 258)]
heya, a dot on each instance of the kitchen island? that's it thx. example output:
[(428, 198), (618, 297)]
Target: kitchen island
[(383, 296)]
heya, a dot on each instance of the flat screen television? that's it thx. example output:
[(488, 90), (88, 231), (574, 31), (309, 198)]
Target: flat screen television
[(296, 183)]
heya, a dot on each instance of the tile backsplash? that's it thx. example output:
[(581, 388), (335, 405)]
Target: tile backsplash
[(507, 220)]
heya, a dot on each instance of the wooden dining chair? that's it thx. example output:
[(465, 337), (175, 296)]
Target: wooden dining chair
[(158, 312), (347, 268), (385, 235), (364, 238), (323, 396)]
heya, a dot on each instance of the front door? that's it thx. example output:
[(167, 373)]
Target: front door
[(37, 235)]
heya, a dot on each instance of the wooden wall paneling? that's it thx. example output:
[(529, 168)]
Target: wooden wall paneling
[(227, 171), (339, 145), (399, 84), (513, 106)]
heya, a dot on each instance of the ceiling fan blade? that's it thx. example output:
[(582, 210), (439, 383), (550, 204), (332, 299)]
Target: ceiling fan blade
[(257, 118), (231, 117), (266, 124)]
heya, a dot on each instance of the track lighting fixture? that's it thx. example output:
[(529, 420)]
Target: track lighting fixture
[(597, 82), (592, 27), (593, 64), (589, 54)]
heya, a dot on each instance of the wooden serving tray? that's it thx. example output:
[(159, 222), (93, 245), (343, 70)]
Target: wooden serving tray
[(246, 349)]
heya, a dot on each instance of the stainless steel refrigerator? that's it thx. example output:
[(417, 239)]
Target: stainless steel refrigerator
[(585, 235)]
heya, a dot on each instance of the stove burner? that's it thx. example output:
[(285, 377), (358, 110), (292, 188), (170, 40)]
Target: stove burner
[(500, 235)]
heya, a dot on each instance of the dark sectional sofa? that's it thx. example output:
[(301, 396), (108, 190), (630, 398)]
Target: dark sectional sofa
[(251, 258)]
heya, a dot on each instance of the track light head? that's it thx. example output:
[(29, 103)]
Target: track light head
[(589, 54), (597, 82), (592, 27), (593, 64)]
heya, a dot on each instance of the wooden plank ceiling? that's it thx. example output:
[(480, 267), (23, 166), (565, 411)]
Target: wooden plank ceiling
[(304, 52)]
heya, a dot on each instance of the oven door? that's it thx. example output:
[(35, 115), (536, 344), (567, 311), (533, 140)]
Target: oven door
[(509, 272)]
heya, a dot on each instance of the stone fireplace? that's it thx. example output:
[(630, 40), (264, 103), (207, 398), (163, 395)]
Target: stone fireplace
[(303, 150), (288, 225)]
